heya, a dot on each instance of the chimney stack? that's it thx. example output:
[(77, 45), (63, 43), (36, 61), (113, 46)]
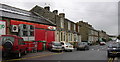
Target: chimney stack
[(62, 15), (47, 8), (55, 12)]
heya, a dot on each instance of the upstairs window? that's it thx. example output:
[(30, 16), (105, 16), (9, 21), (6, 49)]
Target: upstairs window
[(69, 25), (74, 27), (62, 22)]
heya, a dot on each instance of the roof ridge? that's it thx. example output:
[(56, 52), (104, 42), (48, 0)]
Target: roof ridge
[(44, 18)]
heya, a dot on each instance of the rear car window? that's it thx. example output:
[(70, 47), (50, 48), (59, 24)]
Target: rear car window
[(57, 44), (68, 44)]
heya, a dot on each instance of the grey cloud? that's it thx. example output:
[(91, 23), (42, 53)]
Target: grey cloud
[(102, 15)]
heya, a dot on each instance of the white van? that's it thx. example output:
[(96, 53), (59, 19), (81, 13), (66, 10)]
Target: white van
[(67, 46)]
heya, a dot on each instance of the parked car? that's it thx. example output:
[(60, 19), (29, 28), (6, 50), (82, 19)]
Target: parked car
[(102, 43), (13, 45), (83, 46), (67, 46), (113, 50), (55, 46)]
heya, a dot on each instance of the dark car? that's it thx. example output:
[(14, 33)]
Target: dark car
[(55, 46), (82, 46), (113, 49), (12, 44)]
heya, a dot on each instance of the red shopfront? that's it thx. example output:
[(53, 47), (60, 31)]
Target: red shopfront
[(41, 32)]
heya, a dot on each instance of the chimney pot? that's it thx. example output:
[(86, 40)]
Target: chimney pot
[(62, 15), (47, 8), (55, 12)]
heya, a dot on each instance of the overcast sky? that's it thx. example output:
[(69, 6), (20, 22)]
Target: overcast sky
[(103, 14)]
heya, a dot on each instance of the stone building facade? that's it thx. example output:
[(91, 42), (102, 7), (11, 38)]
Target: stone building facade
[(88, 33), (103, 35), (66, 29)]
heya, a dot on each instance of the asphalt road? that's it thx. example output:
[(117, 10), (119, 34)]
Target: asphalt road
[(95, 53)]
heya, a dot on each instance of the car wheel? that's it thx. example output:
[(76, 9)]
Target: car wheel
[(71, 50), (85, 48), (77, 49)]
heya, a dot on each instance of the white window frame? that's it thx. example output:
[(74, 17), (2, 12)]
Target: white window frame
[(69, 25), (74, 27), (62, 22)]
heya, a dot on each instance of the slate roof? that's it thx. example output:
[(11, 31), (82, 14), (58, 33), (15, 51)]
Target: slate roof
[(16, 13)]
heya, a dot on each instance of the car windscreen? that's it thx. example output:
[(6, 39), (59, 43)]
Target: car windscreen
[(57, 44), (68, 44), (114, 45)]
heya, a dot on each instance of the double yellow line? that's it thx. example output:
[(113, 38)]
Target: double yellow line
[(38, 56), (110, 59)]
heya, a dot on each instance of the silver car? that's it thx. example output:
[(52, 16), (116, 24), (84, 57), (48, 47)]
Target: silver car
[(55, 46)]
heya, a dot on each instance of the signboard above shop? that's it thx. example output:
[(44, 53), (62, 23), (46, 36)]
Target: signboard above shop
[(41, 26), (51, 27)]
